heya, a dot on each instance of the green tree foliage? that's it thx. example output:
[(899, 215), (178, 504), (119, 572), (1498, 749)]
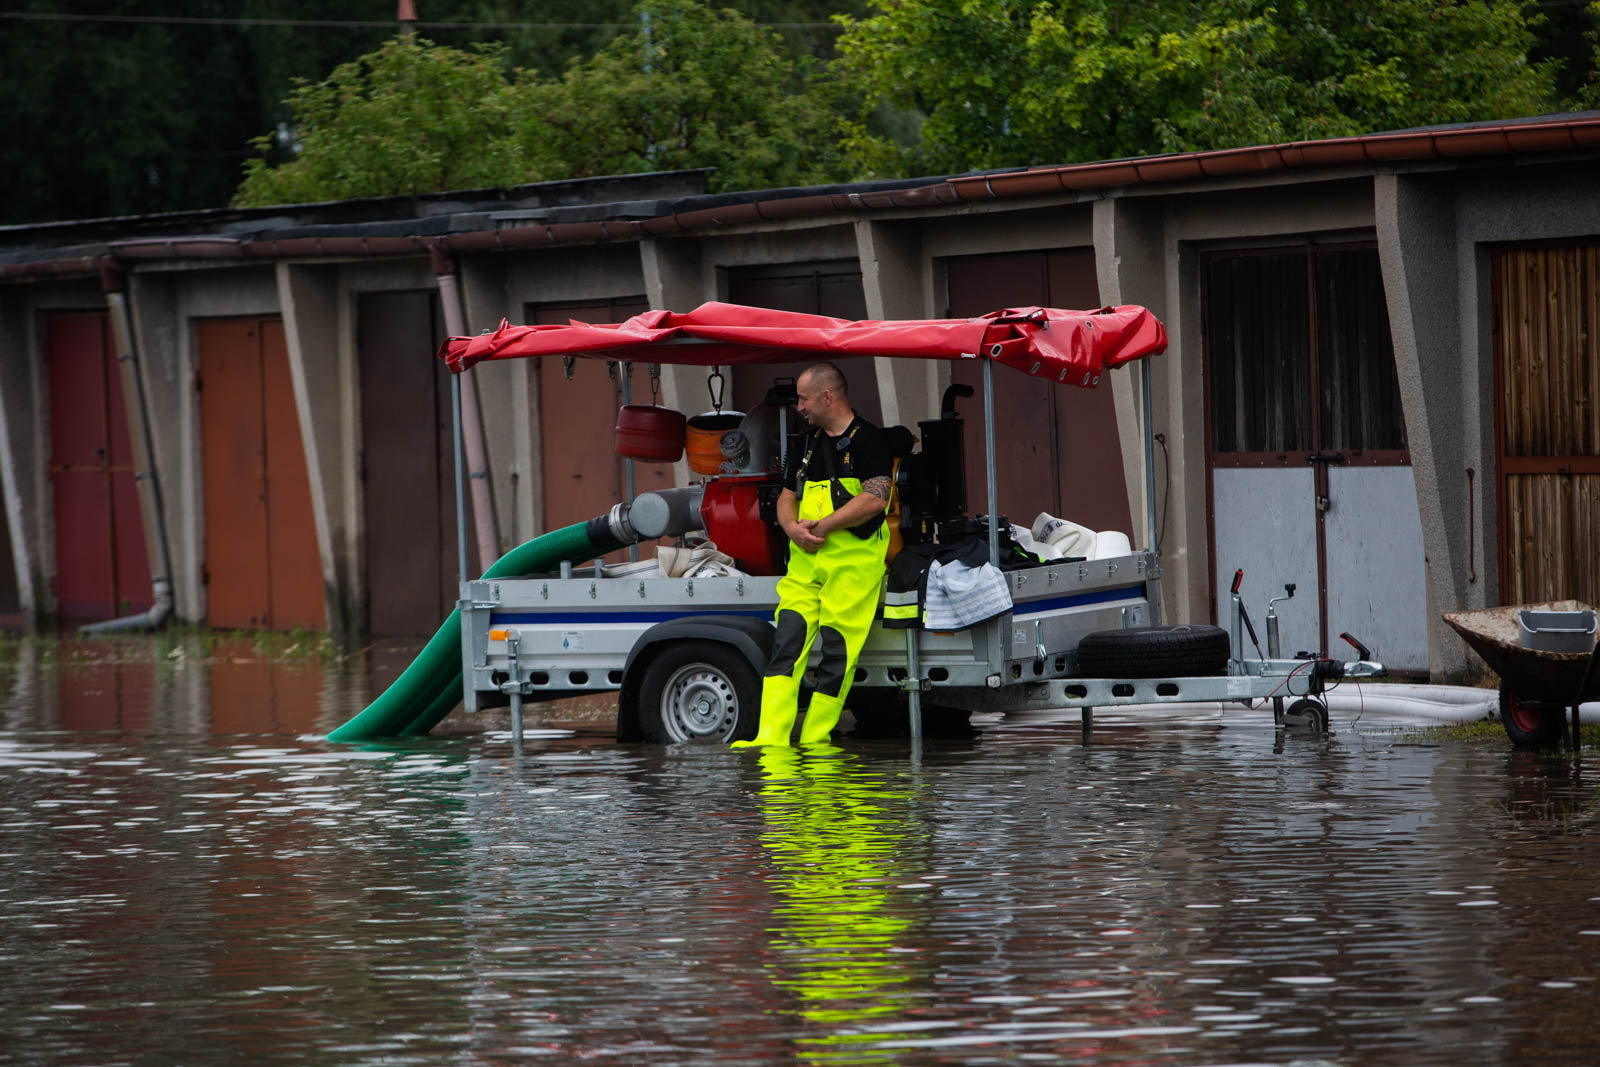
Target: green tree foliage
[(412, 117), (1008, 82), (691, 88), (694, 88)]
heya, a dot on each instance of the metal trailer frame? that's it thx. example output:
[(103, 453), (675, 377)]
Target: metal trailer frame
[(582, 634)]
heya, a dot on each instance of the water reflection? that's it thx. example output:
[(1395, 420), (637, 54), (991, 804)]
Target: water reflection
[(191, 684), (1173, 891), (846, 851)]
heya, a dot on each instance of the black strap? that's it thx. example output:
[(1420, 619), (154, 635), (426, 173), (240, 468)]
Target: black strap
[(829, 459)]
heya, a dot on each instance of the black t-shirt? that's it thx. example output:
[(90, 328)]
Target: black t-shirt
[(867, 455)]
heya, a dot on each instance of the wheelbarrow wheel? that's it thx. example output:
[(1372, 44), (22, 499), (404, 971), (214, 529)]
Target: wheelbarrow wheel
[(1531, 723)]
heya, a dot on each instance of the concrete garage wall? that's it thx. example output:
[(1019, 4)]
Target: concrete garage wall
[(1434, 235), (22, 462)]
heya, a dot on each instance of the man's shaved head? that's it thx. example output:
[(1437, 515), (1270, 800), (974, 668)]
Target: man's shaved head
[(826, 376)]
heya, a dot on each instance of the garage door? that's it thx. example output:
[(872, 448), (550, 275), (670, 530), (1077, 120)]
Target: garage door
[(262, 570)]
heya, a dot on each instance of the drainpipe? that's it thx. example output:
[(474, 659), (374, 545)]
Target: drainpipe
[(455, 324), (144, 475)]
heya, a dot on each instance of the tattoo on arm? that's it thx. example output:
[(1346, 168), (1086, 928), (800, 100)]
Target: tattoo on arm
[(878, 487)]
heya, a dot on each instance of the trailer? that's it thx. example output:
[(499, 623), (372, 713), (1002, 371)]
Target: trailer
[(686, 654)]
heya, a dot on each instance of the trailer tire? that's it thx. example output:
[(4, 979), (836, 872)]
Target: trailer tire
[(1531, 723), (1154, 652), (702, 691)]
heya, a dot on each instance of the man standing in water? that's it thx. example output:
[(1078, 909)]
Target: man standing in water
[(835, 494)]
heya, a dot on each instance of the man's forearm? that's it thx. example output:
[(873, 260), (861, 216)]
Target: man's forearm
[(787, 513), (872, 499)]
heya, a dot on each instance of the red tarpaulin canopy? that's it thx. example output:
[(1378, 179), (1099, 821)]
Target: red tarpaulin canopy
[(1064, 346)]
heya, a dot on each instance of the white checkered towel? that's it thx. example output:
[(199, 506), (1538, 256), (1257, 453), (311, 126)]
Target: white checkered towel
[(959, 596)]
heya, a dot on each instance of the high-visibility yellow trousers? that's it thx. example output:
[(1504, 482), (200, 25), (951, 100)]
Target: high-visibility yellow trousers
[(828, 597)]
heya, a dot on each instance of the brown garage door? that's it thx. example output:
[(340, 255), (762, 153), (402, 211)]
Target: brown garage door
[(407, 463), (262, 569), (828, 287), (101, 566), (1059, 450), (1547, 363), (583, 475)]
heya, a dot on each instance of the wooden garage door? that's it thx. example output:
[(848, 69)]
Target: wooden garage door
[(262, 569), (407, 463), (825, 287), (1059, 451), (101, 567), (1547, 363), (583, 475)]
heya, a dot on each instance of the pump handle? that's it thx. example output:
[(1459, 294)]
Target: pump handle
[(947, 406)]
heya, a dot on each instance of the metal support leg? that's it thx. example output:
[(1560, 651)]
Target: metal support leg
[(1088, 724), (914, 695), (514, 689)]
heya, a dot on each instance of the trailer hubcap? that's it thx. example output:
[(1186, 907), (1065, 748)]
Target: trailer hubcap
[(699, 702)]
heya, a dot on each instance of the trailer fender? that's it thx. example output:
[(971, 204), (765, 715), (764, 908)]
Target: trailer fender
[(751, 637)]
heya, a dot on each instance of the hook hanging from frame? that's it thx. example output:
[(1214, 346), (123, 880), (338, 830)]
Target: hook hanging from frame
[(715, 384)]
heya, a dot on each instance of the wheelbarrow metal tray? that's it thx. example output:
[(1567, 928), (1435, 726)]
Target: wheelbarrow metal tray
[(1535, 673)]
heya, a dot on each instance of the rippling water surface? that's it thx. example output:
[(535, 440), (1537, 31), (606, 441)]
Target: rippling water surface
[(187, 874)]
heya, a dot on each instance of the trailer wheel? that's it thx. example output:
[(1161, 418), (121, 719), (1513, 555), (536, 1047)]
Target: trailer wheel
[(1531, 723), (1307, 714), (1154, 652), (699, 692)]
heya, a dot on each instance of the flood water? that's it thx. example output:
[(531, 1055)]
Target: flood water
[(188, 874)]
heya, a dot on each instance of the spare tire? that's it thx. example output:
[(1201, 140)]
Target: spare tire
[(1154, 652)]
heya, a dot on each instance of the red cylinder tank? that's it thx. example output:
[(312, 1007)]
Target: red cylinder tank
[(731, 511), (645, 431)]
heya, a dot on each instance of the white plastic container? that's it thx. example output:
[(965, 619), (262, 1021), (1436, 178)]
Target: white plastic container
[(1556, 631)]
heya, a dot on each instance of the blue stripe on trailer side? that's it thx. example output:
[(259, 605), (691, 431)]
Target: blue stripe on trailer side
[(502, 618), (1031, 607), (1102, 596)]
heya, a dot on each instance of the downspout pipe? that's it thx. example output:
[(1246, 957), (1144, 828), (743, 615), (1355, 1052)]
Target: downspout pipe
[(455, 324), (144, 476)]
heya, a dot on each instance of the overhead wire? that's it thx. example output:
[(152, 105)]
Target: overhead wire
[(350, 24)]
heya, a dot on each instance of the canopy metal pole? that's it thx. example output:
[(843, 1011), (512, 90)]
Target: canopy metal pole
[(629, 486), (1149, 458), (461, 485), (989, 461)]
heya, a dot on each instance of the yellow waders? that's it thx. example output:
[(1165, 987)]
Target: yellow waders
[(830, 595)]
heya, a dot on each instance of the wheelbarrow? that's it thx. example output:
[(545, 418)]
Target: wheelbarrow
[(1537, 684)]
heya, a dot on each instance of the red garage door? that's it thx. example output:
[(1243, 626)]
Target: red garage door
[(583, 475), (1059, 451), (262, 568), (101, 567)]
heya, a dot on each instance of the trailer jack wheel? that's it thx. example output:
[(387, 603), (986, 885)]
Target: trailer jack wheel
[(699, 692), (1307, 714)]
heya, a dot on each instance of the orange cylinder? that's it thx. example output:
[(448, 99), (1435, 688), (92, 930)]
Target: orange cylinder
[(703, 439)]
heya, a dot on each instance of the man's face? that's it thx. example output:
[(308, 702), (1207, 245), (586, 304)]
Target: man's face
[(814, 400)]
